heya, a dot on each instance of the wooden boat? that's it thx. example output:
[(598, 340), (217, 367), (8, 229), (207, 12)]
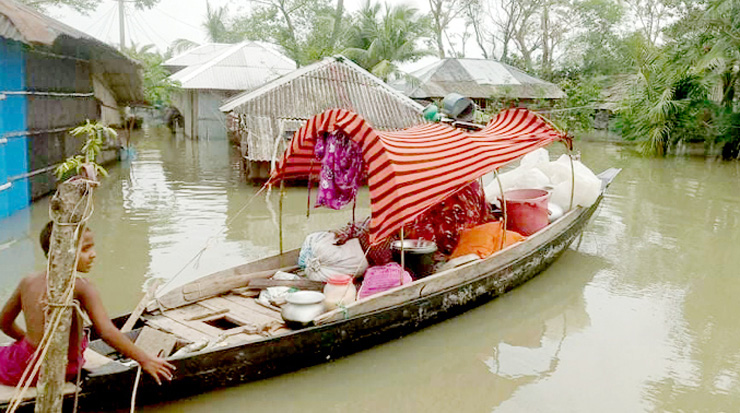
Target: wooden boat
[(253, 342), (216, 333)]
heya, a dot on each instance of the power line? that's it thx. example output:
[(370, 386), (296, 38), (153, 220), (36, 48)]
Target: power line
[(146, 29), (176, 19), (102, 17), (108, 24)]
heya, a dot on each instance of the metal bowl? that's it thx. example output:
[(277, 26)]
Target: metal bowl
[(415, 246)]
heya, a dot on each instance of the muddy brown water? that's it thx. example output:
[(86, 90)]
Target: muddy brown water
[(640, 315)]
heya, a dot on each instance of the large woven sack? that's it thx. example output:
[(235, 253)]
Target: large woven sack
[(321, 259)]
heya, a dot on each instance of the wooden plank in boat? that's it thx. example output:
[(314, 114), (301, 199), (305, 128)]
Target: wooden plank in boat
[(252, 305), (7, 392), (245, 314), (156, 342), (180, 330), (302, 284), (223, 281), (452, 277), (183, 316), (94, 360)]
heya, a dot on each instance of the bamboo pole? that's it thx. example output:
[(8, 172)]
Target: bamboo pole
[(68, 208)]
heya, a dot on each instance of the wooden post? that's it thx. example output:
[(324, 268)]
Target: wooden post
[(68, 207)]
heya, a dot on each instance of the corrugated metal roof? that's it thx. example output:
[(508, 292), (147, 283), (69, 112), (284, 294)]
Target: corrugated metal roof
[(334, 82), (243, 66), (198, 55), (477, 78), (23, 24)]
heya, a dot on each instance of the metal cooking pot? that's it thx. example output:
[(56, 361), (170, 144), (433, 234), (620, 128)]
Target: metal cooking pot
[(418, 256)]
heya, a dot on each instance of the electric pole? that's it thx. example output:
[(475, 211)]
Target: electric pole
[(121, 25)]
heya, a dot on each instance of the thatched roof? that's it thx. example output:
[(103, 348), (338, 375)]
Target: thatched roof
[(23, 24), (476, 78)]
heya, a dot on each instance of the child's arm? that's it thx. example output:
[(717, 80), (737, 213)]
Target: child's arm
[(93, 305), (8, 315)]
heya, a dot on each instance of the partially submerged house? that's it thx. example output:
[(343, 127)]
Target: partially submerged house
[(53, 78), (482, 80), (215, 72), (266, 118)]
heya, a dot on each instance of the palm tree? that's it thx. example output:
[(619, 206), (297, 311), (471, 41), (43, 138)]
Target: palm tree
[(381, 37), (686, 89), (215, 27)]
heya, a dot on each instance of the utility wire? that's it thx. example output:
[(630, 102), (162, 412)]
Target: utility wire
[(103, 16), (141, 21), (176, 19)]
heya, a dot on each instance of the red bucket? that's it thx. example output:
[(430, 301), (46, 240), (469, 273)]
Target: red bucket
[(526, 210)]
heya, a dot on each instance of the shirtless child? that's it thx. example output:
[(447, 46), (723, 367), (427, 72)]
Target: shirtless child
[(30, 297)]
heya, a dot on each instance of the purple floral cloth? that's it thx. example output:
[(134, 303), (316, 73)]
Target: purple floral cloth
[(341, 170)]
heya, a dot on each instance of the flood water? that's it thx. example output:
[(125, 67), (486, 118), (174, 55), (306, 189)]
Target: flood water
[(637, 316)]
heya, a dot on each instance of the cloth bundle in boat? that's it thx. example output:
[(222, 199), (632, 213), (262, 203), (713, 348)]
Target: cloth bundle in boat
[(382, 278), (377, 254), (321, 258), (444, 222), (484, 240)]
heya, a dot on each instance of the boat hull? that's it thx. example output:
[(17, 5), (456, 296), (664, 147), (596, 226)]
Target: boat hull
[(239, 364)]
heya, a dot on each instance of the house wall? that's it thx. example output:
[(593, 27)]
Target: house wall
[(109, 111), (14, 188), (211, 121), (201, 117), (51, 116), (183, 100)]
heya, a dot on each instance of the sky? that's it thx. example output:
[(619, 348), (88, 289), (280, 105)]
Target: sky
[(167, 21)]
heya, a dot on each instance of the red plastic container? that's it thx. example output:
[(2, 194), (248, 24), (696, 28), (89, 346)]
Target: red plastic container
[(526, 210)]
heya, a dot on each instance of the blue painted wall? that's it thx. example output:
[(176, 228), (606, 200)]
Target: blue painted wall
[(13, 119)]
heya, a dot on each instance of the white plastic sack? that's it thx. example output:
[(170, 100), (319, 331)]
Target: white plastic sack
[(520, 178), (587, 184), (535, 158), (322, 259)]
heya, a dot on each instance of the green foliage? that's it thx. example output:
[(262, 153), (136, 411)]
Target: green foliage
[(303, 28), (576, 111), (84, 6), (686, 90), (381, 37), (95, 135), (158, 88)]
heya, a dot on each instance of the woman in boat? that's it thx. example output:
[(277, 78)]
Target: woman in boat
[(29, 297)]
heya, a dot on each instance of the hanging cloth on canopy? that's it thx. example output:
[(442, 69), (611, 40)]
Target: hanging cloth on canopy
[(341, 169)]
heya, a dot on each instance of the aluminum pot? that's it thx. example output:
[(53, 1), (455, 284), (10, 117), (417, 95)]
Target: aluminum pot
[(418, 256), (301, 307)]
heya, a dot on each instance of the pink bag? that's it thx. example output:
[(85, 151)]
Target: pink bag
[(382, 278)]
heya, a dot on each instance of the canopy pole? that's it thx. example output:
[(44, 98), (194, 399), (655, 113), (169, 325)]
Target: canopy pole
[(403, 259), (572, 176), (310, 184), (280, 218), (503, 207)]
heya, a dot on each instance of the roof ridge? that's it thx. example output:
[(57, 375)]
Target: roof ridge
[(205, 66)]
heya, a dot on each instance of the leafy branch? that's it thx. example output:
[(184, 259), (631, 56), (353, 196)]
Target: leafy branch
[(96, 135)]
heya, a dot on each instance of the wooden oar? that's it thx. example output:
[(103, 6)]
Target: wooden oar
[(139, 309)]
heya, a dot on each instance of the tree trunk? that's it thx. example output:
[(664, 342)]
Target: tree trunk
[(337, 23), (546, 51), (67, 206)]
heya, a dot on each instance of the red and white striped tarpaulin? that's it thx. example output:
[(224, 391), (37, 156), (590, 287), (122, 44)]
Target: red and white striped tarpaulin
[(412, 169)]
